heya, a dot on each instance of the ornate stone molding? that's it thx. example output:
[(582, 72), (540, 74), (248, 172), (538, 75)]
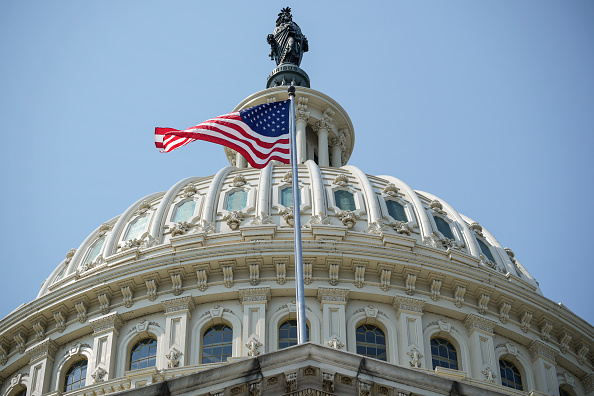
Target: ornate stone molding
[(385, 279), (341, 180), (475, 322), (106, 323), (234, 219), (333, 295), (335, 343), (20, 338), (408, 304), (99, 375), (183, 304), (415, 358), (253, 345), (42, 350), (588, 382), (525, 321), (564, 341), (254, 295), (538, 348), (60, 313), (489, 374), (174, 358)]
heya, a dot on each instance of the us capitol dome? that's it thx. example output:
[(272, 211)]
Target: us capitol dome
[(191, 291)]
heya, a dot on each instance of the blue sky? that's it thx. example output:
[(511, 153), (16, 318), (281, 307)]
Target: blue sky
[(487, 104)]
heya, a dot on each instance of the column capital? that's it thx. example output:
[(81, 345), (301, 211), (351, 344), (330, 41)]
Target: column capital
[(540, 349), (475, 322), (182, 304), (106, 323), (408, 304), (254, 295), (45, 349), (333, 295)]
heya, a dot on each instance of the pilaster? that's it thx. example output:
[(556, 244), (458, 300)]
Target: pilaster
[(409, 323), (105, 332), (177, 314), (301, 118), (41, 361), (480, 334), (333, 301), (544, 365), (323, 127), (254, 301)]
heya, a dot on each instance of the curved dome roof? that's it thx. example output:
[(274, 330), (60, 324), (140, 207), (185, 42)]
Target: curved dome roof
[(338, 204)]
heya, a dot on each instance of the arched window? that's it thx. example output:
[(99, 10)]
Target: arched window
[(371, 341), (217, 344), (287, 333), (143, 354), (510, 375), (443, 227), (485, 250), (137, 227), (344, 200), (443, 354), (76, 375), (237, 200), (184, 211), (396, 210), (95, 250)]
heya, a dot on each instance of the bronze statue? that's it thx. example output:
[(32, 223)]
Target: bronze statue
[(287, 43)]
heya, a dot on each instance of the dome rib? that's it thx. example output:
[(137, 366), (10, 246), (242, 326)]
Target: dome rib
[(373, 212), (208, 213), (112, 238), (159, 220), (424, 222), (263, 205)]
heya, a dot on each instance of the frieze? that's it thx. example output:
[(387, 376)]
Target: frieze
[(538, 348), (256, 294), (475, 322), (326, 294), (403, 303)]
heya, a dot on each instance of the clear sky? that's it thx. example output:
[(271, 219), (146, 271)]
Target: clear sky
[(487, 104)]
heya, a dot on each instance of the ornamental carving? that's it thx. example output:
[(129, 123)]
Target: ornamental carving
[(341, 180), (99, 375), (391, 190), (142, 208), (69, 256), (262, 219), (477, 228), (489, 374), (255, 294), (179, 228), (348, 218), (174, 358), (475, 322), (47, 348), (404, 303), (402, 227), (319, 219), (111, 322), (103, 229), (288, 177), (443, 243), (3, 354), (335, 343), (231, 156), (239, 181), (288, 215), (234, 219), (205, 226), (333, 295), (189, 191), (179, 304), (437, 207), (328, 382), (376, 227), (253, 345), (415, 358)]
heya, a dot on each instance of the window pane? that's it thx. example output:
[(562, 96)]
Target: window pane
[(217, 344), (75, 376), (184, 212), (485, 249), (287, 333), (443, 227), (344, 200), (443, 354), (237, 200), (287, 197), (95, 250), (143, 354), (137, 227), (371, 341), (396, 210), (510, 375)]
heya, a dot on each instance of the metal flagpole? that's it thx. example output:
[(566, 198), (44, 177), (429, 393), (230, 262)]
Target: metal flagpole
[(301, 330)]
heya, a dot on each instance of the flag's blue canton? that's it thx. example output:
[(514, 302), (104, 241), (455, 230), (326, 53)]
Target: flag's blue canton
[(270, 119)]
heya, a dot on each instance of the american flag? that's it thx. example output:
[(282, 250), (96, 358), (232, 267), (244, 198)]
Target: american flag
[(259, 133)]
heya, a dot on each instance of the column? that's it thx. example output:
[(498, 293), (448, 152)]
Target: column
[(410, 328), (323, 127), (41, 360), (101, 365), (333, 301), (338, 147), (240, 161), (254, 301), (480, 334), (544, 366), (177, 314), (301, 118)]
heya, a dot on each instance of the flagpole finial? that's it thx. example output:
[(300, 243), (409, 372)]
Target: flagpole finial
[(291, 90)]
